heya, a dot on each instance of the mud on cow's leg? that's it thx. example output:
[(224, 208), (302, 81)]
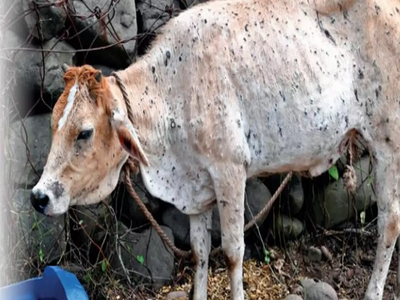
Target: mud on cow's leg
[(387, 184), (200, 240), (229, 185)]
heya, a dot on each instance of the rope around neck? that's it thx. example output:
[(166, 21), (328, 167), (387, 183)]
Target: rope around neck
[(131, 165)]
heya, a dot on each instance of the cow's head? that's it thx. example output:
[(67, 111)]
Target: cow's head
[(92, 138)]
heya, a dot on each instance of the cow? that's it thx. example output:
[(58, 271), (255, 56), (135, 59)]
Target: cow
[(228, 90)]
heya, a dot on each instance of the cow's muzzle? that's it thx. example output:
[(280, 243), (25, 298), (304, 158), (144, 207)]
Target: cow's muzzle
[(39, 200)]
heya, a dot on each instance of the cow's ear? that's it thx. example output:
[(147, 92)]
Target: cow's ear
[(127, 137)]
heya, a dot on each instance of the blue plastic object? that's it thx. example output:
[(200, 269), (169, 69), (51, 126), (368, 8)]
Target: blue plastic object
[(56, 284)]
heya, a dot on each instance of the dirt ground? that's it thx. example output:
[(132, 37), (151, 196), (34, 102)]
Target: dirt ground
[(348, 270), (347, 267)]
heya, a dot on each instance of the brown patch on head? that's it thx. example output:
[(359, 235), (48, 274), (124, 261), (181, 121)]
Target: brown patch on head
[(84, 76)]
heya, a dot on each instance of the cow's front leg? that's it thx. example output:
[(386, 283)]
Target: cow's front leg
[(200, 240), (387, 179), (229, 185)]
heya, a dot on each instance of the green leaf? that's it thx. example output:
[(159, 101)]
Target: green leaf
[(41, 255), (35, 226), (266, 256), (103, 266), (333, 171), (362, 217), (140, 258), (87, 278)]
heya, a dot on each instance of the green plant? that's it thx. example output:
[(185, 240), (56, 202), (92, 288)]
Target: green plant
[(333, 171)]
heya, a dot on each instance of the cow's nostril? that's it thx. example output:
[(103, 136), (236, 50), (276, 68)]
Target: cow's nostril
[(39, 201), (43, 200)]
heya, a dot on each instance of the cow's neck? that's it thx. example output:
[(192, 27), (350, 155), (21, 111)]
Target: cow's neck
[(147, 99)]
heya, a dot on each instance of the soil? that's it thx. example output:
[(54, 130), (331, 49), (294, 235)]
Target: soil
[(347, 268), (347, 272)]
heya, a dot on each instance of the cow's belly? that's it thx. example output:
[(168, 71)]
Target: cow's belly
[(181, 181), (305, 150), (302, 135)]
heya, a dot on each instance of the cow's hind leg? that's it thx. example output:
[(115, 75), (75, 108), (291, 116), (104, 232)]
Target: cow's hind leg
[(387, 186), (229, 185), (200, 240)]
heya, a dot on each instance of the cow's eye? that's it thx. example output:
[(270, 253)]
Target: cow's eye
[(85, 134)]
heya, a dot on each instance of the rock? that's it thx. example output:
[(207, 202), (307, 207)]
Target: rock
[(40, 238), (307, 283), (50, 17), (247, 253), (127, 209), (314, 254), (293, 297), (257, 196), (89, 221), (289, 227), (122, 26), (292, 195), (177, 295), (297, 289), (336, 207), (153, 13), (179, 224), (190, 3), (28, 68), (296, 195), (320, 291), (104, 69), (38, 138), (326, 253), (145, 256), (54, 74), (13, 17)]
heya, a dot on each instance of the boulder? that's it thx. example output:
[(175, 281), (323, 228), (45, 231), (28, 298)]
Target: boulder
[(179, 224), (292, 196), (289, 228), (144, 255), (320, 291), (46, 20), (257, 196), (293, 297), (154, 14), (104, 69), (88, 223), (334, 206), (296, 195), (31, 80), (35, 133), (125, 206), (314, 254), (117, 27), (12, 12), (177, 295), (189, 3)]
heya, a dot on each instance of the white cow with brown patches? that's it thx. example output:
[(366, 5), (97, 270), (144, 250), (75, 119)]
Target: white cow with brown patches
[(230, 90)]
